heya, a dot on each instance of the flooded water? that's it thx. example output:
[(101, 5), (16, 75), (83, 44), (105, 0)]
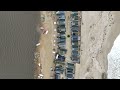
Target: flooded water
[(18, 38), (114, 60)]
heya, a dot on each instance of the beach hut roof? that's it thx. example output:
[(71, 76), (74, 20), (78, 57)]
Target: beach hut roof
[(60, 12)]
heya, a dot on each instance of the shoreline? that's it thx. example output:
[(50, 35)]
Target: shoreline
[(45, 48)]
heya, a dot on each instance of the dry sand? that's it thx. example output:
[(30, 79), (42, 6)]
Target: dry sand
[(99, 29)]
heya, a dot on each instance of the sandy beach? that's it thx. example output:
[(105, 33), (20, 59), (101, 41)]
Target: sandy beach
[(99, 29), (46, 46)]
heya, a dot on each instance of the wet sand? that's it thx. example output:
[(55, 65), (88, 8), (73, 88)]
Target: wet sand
[(99, 29), (46, 47)]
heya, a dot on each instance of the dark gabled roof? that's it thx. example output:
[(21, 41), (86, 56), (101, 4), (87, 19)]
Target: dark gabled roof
[(61, 30), (74, 11), (73, 21), (74, 26), (74, 29), (69, 69), (70, 64), (61, 21), (74, 52), (61, 27), (69, 76), (61, 17), (74, 33), (62, 33), (76, 60), (75, 57), (63, 37), (74, 36), (60, 12), (75, 43), (61, 58), (57, 76), (74, 46), (61, 51), (61, 45), (74, 39)]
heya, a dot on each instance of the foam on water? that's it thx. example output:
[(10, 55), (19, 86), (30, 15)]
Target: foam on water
[(114, 60)]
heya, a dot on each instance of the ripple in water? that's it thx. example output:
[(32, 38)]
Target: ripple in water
[(18, 37)]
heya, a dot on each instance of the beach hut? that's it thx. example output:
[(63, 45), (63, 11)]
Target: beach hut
[(61, 40), (74, 27), (74, 38), (61, 45), (75, 18), (63, 37), (74, 23), (74, 48), (62, 51), (61, 22), (57, 70), (74, 52), (74, 30), (61, 17), (61, 30), (60, 58), (75, 59), (69, 70), (74, 33), (70, 65), (74, 13), (57, 76), (61, 26), (60, 12), (75, 43), (69, 73), (69, 76)]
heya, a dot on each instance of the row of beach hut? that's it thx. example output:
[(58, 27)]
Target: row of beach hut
[(61, 43), (75, 57)]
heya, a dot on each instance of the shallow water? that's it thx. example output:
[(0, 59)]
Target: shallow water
[(18, 37), (114, 60)]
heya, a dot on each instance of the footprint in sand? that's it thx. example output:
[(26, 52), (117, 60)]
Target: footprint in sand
[(92, 38)]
